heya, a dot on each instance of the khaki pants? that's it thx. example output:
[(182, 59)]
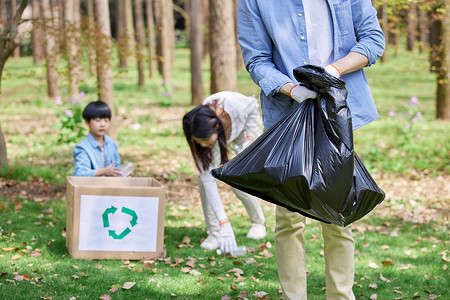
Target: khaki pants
[(339, 248)]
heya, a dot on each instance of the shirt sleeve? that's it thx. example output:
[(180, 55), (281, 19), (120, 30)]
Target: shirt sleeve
[(369, 36), (82, 163), (208, 187), (257, 52)]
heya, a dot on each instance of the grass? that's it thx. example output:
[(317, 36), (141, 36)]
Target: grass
[(395, 258)]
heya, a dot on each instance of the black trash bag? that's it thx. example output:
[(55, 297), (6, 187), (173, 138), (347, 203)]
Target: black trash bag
[(305, 162)]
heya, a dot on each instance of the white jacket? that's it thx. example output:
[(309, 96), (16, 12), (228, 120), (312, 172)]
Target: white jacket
[(246, 121)]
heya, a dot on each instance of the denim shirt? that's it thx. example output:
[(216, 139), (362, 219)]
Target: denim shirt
[(88, 155), (273, 39)]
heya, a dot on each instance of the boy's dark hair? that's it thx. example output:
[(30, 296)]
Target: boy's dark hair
[(96, 109)]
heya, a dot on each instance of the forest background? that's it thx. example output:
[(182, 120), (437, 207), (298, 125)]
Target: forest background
[(154, 60)]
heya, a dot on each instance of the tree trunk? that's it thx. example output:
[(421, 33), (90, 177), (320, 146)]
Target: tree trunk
[(50, 49), (140, 35), (16, 53), (91, 37), (164, 40), (423, 28), (3, 154), (196, 43), (411, 26), (385, 27), (121, 33), (151, 38), (72, 42), (129, 29), (206, 41), (239, 58), (104, 69), (223, 48), (171, 31), (37, 33), (8, 34), (443, 64)]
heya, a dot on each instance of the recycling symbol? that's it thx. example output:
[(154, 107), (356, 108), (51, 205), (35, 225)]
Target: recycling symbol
[(112, 210)]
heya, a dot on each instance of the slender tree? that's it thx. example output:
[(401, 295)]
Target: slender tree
[(196, 45), (140, 37), (121, 33), (129, 29), (411, 25), (385, 27), (150, 37), (9, 38), (16, 52), (239, 58), (164, 39), (104, 69), (91, 37), (51, 51), (443, 62), (72, 42), (37, 33), (223, 48)]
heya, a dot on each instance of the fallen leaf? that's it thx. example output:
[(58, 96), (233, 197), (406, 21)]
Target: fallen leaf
[(243, 295), (387, 262), (373, 286), (373, 265), (17, 256), (9, 249), (226, 297), (236, 270), (384, 247), (98, 266), (384, 279), (373, 297), (194, 272), (114, 288), (35, 254), (128, 285), (105, 297), (250, 261), (397, 292), (75, 267), (260, 294), (75, 276), (185, 269), (18, 278), (233, 287), (191, 264)]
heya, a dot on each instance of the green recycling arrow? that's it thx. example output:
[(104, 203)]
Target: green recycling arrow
[(132, 213), (108, 211), (112, 233)]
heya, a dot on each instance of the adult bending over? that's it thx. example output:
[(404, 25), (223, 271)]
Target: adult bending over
[(225, 120)]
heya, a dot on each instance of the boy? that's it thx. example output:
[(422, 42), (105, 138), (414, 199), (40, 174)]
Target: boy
[(97, 154)]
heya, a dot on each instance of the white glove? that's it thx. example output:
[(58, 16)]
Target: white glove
[(300, 93), (332, 70), (227, 238)]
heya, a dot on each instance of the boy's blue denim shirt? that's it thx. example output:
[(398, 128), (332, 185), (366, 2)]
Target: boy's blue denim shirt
[(273, 39), (88, 158)]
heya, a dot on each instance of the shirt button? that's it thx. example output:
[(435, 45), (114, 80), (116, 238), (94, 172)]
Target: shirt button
[(300, 14), (302, 37), (304, 62)]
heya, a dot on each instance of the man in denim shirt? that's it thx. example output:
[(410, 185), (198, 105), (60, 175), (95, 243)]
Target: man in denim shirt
[(97, 154), (343, 36)]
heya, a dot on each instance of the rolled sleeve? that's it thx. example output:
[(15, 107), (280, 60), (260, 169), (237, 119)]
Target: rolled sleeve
[(369, 36), (82, 163)]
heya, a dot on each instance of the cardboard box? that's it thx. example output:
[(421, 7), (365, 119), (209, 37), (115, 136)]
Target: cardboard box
[(115, 217)]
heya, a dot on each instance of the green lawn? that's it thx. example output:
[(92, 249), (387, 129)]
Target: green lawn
[(396, 258)]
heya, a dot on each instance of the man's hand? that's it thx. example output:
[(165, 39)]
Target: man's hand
[(300, 93), (109, 170), (227, 238)]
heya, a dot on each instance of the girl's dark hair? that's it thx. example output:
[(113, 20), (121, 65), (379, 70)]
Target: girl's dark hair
[(96, 109), (202, 122)]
